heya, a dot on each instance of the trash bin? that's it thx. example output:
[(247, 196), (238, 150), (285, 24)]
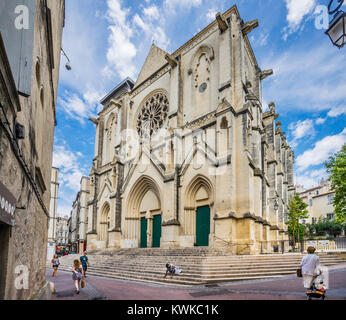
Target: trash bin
[(276, 248)]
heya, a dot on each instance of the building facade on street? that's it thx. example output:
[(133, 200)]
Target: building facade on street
[(53, 213), (73, 225), (185, 156), (62, 231), (319, 200), (30, 45), (79, 217)]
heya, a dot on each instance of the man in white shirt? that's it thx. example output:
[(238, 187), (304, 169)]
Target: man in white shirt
[(310, 267)]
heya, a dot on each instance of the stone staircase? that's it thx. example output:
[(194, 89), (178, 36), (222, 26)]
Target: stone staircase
[(200, 265)]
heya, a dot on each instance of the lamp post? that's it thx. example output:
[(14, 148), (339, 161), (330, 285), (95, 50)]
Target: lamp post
[(337, 27), (68, 63)]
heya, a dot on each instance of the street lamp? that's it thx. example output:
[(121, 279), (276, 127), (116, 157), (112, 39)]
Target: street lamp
[(68, 63), (337, 27)]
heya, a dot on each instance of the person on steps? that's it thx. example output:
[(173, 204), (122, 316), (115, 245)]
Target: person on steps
[(85, 263), (170, 268)]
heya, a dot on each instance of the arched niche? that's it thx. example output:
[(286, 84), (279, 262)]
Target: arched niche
[(200, 70), (104, 222), (110, 137)]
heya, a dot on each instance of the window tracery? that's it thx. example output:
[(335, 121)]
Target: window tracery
[(153, 115)]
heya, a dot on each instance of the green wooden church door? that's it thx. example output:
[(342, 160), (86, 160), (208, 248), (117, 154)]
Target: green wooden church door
[(144, 224), (156, 231), (202, 226)]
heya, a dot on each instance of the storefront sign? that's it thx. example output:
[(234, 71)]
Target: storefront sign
[(7, 206)]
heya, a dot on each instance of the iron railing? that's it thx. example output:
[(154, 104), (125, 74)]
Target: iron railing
[(321, 245)]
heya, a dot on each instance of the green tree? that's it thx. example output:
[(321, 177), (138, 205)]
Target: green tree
[(297, 211), (336, 168), (325, 226)]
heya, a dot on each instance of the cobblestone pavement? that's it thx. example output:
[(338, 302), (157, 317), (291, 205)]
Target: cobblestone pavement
[(283, 288)]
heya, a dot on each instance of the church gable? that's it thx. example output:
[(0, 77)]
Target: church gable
[(105, 191), (154, 61)]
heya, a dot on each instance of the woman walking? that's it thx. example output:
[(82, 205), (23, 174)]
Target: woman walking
[(77, 274), (310, 268), (56, 264)]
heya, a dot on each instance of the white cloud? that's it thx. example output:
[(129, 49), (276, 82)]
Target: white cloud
[(321, 151), (121, 51), (81, 41), (80, 108), (70, 171), (301, 129), (306, 84), (320, 173), (260, 40), (306, 181), (182, 3), (320, 120), (297, 10), (310, 179), (153, 32), (211, 14), (337, 111), (152, 12)]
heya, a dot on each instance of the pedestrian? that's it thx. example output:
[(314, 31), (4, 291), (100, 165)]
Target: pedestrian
[(77, 274), (170, 268), (56, 264), (310, 266), (85, 263)]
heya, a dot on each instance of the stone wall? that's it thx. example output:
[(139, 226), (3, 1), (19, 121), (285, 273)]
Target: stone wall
[(25, 165)]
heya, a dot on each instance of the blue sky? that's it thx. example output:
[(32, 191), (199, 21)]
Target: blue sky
[(108, 40)]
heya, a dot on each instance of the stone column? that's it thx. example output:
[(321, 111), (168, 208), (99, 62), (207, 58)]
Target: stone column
[(149, 217)]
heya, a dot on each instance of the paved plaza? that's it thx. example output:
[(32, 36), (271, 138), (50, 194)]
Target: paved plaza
[(283, 288)]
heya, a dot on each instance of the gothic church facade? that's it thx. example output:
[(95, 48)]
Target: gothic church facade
[(185, 156)]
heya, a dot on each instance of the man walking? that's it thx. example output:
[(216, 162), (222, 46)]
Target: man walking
[(85, 263)]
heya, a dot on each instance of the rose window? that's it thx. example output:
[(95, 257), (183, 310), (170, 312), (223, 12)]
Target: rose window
[(153, 115)]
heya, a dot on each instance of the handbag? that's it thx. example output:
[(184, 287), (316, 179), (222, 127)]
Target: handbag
[(299, 273), (82, 284)]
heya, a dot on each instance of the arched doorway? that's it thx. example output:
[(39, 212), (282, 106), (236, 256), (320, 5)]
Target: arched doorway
[(104, 223), (143, 218), (197, 211)]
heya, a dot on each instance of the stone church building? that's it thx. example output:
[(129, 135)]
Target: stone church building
[(185, 156)]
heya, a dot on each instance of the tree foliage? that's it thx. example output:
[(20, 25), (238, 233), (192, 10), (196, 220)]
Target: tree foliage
[(336, 168), (325, 226), (297, 211)]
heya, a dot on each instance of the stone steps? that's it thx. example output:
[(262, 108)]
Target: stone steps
[(197, 251), (196, 269), (129, 262), (185, 278)]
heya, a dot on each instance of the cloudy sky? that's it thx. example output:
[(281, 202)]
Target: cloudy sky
[(108, 40)]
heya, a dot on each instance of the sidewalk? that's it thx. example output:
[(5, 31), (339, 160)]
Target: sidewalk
[(283, 288)]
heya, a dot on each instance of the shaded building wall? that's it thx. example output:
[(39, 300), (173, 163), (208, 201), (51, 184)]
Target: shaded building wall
[(25, 165)]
